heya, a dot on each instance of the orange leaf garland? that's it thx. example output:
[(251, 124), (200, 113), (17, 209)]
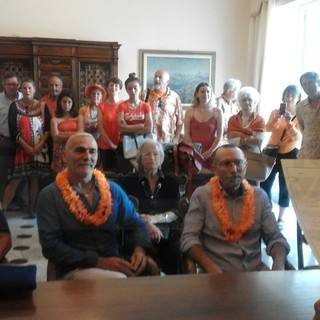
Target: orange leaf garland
[(76, 205), (233, 231)]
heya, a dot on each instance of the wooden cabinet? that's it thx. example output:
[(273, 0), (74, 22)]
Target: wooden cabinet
[(76, 62)]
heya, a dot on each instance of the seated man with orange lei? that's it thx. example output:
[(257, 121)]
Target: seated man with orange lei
[(79, 214), (227, 219)]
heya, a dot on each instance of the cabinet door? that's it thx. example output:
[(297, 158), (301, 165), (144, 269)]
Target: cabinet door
[(23, 67), (92, 72), (57, 66)]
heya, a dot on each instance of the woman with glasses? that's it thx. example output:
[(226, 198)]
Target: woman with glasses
[(156, 196)]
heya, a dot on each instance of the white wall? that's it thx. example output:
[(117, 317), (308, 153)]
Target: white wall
[(196, 25)]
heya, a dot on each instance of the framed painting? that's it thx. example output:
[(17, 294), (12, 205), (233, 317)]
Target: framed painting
[(186, 68)]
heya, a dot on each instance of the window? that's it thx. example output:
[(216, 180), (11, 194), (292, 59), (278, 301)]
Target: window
[(292, 49)]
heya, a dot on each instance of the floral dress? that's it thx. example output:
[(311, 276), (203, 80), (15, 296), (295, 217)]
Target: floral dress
[(30, 125)]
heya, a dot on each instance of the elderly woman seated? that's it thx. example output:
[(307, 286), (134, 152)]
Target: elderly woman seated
[(246, 127), (157, 200)]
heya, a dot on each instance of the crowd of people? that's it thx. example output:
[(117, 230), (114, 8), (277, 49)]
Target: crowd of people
[(80, 211)]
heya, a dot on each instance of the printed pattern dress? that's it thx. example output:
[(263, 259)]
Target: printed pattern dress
[(30, 125)]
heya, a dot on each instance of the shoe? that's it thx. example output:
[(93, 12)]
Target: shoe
[(280, 224)]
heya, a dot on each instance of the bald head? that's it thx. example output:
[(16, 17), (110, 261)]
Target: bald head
[(75, 138), (161, 80), (55, 86)]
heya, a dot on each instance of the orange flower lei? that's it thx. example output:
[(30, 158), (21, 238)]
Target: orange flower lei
[(76, 205), (233, 231)]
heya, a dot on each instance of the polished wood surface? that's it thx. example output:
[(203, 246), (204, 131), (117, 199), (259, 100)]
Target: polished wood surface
[(77, 62), (256, 295)]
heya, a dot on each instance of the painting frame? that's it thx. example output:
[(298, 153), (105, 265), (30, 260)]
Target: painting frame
[(186, 69)]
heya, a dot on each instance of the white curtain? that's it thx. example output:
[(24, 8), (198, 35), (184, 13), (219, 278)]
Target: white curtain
[(258, 39)]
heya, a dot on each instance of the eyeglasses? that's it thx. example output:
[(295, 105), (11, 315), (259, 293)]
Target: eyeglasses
[(229, 164), (151, 154)]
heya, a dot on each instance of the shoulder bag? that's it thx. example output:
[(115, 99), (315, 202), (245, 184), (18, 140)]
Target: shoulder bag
[(272, 150)]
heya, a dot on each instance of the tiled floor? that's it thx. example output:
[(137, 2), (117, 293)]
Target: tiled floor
[(27, 250)]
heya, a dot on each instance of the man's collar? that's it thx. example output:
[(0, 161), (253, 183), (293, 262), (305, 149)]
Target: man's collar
[(238, 194), (17, 97)]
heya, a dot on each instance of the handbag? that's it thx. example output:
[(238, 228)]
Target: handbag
[(131, 144), (272, 150), (259, 165), (189, 157)]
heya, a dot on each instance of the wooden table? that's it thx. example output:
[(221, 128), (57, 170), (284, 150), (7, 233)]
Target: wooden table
[(258, 295)]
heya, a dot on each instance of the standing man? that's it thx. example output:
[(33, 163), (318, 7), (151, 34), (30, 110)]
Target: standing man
[(228, 218), (308, 115), (166, 108), (7, 147), (55, 87)]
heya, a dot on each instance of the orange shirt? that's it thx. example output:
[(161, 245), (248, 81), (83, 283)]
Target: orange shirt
[(52, 104), (257, 124), (110, 123), (292, 137)]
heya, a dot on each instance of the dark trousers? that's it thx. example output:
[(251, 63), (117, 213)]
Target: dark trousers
[(109, 159), (266, 185), (7, 153)]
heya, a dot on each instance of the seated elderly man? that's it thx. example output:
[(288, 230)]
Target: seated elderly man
[(5, 238), (79, 214), (227, 219)]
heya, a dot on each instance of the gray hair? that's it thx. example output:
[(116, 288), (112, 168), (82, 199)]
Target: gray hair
[(146, 141), (71, 139), (231, 85), (249, 92)]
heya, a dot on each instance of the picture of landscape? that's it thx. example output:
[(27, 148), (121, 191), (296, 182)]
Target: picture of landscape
[(186, 70)]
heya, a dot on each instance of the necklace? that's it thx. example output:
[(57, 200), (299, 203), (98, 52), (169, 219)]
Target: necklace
[(233, 231), (76, 205), (245, 121), (93, 113), (87, 193), (133, 105)]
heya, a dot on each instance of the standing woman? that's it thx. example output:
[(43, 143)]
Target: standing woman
[(285, 133), (108, 125), (66, 123), (134, 115), (96, 94), (245, 128), (30, 130), (228, 101), (203, 122)]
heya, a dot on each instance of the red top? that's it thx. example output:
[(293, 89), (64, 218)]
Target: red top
[(134, 116), (110, 123), (203, 132)]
